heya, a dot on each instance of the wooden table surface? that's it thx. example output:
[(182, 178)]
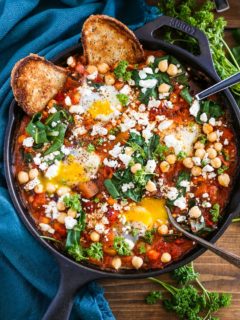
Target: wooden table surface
[(126, 297)]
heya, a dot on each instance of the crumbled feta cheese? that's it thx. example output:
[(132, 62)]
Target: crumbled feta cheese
[(150, 166), (147, 134), (127, 186), (205, 195), (92, 76), (196, 160), (127, 124), (142, 74), (52, 171), (51, 210), (181, 219), (185, 184), (46, 228), (117, 149), (203, 117), (130, 243), (105, 220), (37, 159), (68, 101), (181, 203), (28, 142), (219, 134), (142, 108), (70, 61), (31, 184), (206, 204), (168, 104), (225, 142), (111, 137), (212, 121), (53, 124), (99, 227), (52, 110), (79, 131), (160, 118), (110, 163), (165, 125), (76, 109), (70, 222), (208, 168), (98, 129), (125, 89), (150, 83), (148, 70), (131, 82), (162, 96), (195, 107), (172, 193), (43, 166), (65, 150), (125, 159), (212, 175), (153, 103)]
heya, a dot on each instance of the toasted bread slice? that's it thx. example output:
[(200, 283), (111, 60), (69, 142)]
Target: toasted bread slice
[(35, 81), (106, 39)]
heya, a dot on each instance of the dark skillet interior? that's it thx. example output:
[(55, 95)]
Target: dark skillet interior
[(16, 114)]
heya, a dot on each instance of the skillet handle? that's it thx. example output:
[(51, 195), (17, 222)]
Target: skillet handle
[(147, 33), (72, 279)]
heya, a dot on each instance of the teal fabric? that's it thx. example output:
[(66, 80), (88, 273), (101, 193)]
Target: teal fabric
[(29, 275)]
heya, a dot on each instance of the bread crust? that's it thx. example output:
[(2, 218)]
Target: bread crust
[(35, 81), (105, 39)]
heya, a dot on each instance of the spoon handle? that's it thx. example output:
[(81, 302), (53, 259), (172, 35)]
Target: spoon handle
[(230, 81), (230, 257)]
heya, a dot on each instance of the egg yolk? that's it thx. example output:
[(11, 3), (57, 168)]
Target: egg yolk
[(69, 173), (100, 107), (148, 211)]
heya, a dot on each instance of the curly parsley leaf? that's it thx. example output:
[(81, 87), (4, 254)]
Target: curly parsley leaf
[(153, 297), (95, 251), (121, 246), (215, 212), (123, 99), (73, 202), (121, 71)]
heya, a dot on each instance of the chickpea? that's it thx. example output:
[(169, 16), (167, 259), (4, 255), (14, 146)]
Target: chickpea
[(91, 69), (212, 153), (109, 79), (163, 88), (166, 257), (94, 236), (72, 213), (224, 179), (199, 145), (50, 187), (216, 163), (38, 188), (61, 217), (164, 166), (212, 137), (61, 206), (163, 65), (23, 177), (172, 70), (196, 171), (171, 158), (33, 173), (188, 163), (136, 167), (150, 186), (207, 128), (195, 212), (200, 153), (218, 146), (62, 191), (163, 229), (103, 68), (137, 262), (116, 263), (150, 59)]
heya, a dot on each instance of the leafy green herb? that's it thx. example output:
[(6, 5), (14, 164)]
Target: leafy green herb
[(121, 71), (114, 131), (210, 108), (202, 138), (90, 147), (204, 163), (121, 246), (186, 95), (160, 152), (95, 251), (153, 297), (123, 99), (187, 301), (215, 212), (73, 246), (226, 155), (181, 155), (73, 202), (100, 141), (149, 235), (142, 249), (222, 169), (96, 200), (135, 232), (185, 274), (202, 17)]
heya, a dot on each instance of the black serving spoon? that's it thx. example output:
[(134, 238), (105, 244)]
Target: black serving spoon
[(219, 86), (230, 257)]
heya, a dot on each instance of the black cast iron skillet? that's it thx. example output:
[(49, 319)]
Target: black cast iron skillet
[(74, 275)]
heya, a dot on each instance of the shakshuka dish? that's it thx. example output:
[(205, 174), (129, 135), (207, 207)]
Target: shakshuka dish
[(115, 145)]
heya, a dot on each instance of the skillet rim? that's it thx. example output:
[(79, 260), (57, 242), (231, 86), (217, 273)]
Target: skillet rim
[(60, 256)]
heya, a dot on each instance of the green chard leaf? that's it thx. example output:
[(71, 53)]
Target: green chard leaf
[(186, 95)]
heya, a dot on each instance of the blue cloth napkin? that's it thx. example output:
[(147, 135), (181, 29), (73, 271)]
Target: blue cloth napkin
[(29, 275)]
